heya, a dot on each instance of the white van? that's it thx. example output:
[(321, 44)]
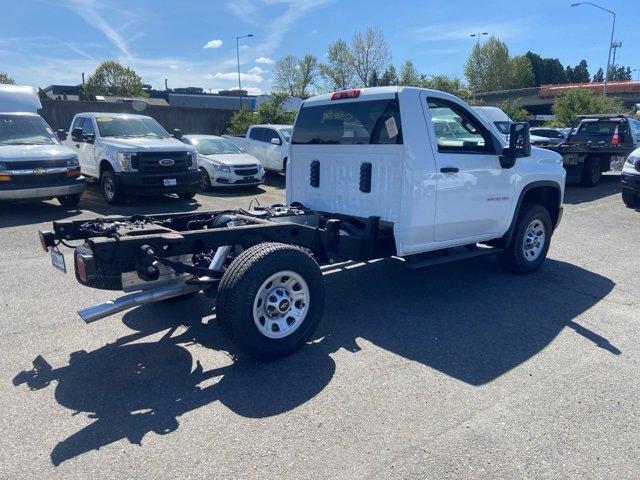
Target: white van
[(33, 162)]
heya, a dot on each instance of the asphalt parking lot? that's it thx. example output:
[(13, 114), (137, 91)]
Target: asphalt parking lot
[(459, 371)]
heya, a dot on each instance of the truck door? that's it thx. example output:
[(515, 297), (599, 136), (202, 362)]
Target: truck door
[(255, 143), (87, 149), (473, 192), (273, 152)]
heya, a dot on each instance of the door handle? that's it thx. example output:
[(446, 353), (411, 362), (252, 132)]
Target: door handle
[(449, 170)]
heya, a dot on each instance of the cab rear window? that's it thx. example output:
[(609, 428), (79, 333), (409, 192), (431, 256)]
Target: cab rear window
[(375, 122), (602, 127)]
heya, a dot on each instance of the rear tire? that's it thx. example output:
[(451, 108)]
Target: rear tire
[(530, 242), (270, 300), (630, 199), (70, 201), (111, 190), (591, 172)]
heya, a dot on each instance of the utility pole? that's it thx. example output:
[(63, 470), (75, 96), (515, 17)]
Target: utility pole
[(613, 28), (615, 46), (238, 57)]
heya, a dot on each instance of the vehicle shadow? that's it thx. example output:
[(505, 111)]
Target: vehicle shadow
[(609, 185), (131, 389), (15, 214), (275, 180)]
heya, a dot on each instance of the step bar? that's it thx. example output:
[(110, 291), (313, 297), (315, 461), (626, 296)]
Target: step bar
[(450, 255)]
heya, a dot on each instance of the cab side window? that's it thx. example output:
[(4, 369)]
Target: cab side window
[(77, 123), (257, 134), (87, 127), (270, 134), (457, 130)]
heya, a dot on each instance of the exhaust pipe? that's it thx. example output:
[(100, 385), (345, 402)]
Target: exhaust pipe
[(102, 310)]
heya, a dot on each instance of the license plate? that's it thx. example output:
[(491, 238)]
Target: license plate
[(169, 182), (57, 260)]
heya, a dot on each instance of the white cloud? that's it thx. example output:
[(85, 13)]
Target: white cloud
[(462, 31), (257, 70), (264, 60), (217, 43), (247, 77), (250, 90)]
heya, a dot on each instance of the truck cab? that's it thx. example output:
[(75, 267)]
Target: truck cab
[(268, 143), (383, 152), (132, 155), (33, 162)]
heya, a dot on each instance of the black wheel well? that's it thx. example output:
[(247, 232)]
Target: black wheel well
[(104, 166), (548, 197)]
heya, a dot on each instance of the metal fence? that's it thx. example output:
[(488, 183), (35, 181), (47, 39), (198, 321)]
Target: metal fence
[(59, 113)]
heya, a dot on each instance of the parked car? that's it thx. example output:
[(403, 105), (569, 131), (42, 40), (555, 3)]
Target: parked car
[(33, 162), (503, 122), (599, 143), (379, 184), (631, 180), (223, 164), (550, 136), (133, 154), (268, 143)]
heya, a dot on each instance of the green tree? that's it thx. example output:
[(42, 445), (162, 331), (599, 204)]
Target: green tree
[(270, 111), (599, 76), (579, 101), (581, 73), (514, 111), (389, 77), (6, 79), (296, 76), (553, 71), (338, 71), (369, 52), (445, 83), (409, 74), (374, 80), (487, 67), (520, 73), (113, 79)]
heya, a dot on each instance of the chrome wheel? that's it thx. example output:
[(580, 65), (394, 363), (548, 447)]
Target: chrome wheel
[(281, 304), (534, 240), (109, 188), (204, 180)]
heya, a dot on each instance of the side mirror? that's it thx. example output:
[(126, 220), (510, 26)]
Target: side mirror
[(76, 135), (276, 141), (519, 144), (89, 138), (61, 134), (177, 133)]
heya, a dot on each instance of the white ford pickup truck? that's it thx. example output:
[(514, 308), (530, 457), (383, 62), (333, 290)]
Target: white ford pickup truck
[(132, 155), (268, 143), (369, 177)]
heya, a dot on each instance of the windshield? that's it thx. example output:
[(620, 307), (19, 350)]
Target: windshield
[(286, 133), (130, 127), (503, 126), (215, 146), (25, 130)]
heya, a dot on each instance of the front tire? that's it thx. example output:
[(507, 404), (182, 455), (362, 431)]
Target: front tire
[(630, 198), (270, 300), (591, 172), (70, 201), (205, 180), (111, 190), (530, 242)]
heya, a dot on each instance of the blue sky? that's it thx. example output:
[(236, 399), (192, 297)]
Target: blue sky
[(45, 41)]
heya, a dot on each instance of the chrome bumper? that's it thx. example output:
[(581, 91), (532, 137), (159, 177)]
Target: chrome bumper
[(43, 192)]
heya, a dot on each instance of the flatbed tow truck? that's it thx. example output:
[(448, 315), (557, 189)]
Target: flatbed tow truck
[(368, 178)]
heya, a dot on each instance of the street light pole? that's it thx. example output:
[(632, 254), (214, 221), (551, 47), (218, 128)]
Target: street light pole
[(613, 28), (238, 57)]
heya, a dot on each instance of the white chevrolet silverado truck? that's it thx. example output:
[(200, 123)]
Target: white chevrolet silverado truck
[(33, 163), (268, 143), (369, 177), (132, 155)]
